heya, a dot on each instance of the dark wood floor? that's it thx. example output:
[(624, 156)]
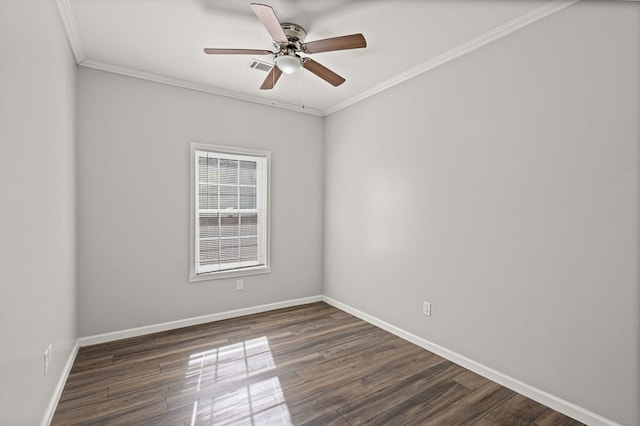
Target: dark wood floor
[(312, 365)]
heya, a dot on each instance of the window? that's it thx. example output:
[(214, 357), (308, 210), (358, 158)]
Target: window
[(229, 204)]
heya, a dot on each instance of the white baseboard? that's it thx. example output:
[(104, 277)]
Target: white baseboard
[(141, 331), (57, 393), (558, 404)]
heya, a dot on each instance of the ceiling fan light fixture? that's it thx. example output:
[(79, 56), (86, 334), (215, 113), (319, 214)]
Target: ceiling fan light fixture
[(288, 64), (289, 40)]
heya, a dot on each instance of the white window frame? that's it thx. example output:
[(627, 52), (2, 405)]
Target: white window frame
[(264, 211)]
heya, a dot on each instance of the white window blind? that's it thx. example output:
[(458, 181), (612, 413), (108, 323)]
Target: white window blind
[(230, 211)]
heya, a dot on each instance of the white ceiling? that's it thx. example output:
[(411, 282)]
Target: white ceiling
[(163, 40)]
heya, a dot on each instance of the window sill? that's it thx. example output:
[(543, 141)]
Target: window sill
[(229, 274)]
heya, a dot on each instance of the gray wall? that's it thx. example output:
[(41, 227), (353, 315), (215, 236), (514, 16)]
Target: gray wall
[(133, 201), (503, 187), (37, 206)]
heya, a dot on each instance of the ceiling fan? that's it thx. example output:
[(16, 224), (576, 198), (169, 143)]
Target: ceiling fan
[(288, 39)]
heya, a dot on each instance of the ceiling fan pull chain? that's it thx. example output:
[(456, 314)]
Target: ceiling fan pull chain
[(302, 95), (273, 83)]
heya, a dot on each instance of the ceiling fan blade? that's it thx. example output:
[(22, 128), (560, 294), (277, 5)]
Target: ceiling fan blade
[(323, 72), (213, 51), (353, 41), (272, 78), (269, 19)]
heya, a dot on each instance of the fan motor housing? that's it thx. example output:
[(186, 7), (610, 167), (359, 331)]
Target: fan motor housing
[(294, 32)]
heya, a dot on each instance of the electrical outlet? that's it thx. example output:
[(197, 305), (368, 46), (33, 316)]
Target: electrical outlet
[(426, 308), (48, 358), (239, 285)]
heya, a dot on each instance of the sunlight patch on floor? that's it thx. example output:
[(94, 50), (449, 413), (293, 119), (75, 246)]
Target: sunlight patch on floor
[(261, 402)]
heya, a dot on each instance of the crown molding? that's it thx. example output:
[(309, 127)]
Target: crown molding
[(494, 34), (72, 31), (157, 78)]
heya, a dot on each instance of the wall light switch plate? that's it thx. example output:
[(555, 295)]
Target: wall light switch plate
[(426, 308)]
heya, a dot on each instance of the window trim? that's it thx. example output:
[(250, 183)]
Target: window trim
[(215, 275)]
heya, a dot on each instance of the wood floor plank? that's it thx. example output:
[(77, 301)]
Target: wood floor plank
[(240, 413), (102, 380), (470, 379), (311, 364), (516, 411), (252, 402), (119, 347), (411, 399), (321, 340), (89, 363), (213, 333), (110, 407), (378, 355), (414, 363), (287, 319), (102, 372), (553, 418), (129, 416), (332, 418), (313, 407), (360, 342), (181, 351), (70, 401), (331, 379), (180, 395), (417, 408), (472, 407)]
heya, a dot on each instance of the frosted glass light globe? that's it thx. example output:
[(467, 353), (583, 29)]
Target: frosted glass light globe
[(288, 64)]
